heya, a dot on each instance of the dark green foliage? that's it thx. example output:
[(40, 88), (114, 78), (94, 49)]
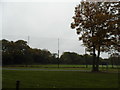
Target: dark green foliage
[(74, 58), (15, 52), (20, 53), (114, 59)]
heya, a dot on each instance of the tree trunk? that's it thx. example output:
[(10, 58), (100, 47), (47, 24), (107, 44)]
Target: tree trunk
[(97, 61), (94, 59), (95, 67)]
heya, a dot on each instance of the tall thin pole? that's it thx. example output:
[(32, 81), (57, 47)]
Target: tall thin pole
[(58, 52)]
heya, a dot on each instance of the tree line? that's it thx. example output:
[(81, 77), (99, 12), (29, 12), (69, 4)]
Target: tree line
[(20, 53)]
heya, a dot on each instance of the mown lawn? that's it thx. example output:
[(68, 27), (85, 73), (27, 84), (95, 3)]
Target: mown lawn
[(65, 67), (61, 65), (59, 79)]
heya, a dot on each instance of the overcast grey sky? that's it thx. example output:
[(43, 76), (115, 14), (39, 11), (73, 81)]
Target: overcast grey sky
[(44, 22)]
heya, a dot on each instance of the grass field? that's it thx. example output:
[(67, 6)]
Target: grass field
[(59, 79), (65, 67), (61, 65)]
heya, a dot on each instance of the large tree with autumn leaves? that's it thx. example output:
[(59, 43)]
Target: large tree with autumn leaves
[(98, 26)]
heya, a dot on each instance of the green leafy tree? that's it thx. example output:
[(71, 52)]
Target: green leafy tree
[(97, 24), (22, 51), (16, 52), (114, 59), (54, 59), (70, 58), (46, 56), (19, 52), (7, 52)]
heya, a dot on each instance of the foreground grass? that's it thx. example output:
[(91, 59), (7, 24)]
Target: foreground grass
[(59, 79)]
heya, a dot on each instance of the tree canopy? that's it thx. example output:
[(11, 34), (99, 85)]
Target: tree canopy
[(98, 26), (18, 52)]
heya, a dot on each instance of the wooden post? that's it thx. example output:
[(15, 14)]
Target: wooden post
[(17, 85)]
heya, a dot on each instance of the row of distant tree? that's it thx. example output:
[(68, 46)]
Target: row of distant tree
[(19, 52)]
